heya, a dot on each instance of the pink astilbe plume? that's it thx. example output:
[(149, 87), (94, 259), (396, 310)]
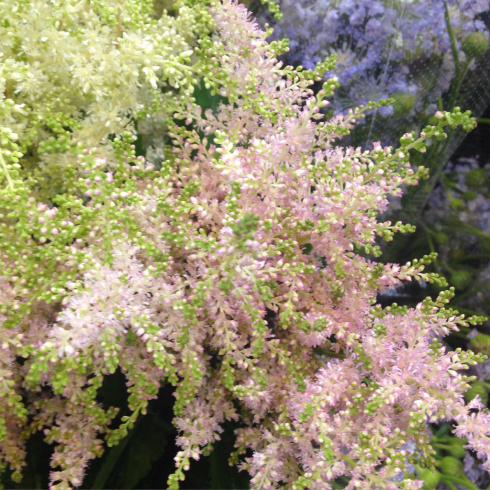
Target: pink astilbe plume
[(241, 271)]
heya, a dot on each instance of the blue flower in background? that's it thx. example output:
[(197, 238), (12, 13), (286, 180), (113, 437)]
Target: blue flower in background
[(384, 48)]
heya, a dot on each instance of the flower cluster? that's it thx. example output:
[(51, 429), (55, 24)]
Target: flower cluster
[(94, 70), (236, 268), (410, 51)]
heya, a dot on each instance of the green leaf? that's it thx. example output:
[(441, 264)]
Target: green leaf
[(146, 446)]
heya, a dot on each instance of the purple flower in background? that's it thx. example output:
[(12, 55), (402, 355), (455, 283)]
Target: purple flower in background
[(395, 48), (473, 468)]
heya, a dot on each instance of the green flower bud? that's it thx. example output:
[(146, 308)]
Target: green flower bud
[(481, 343), (403, 104), (476, 178), (430, 478), (456, 448), (442, 238), (477, 388), (456, 204), (451, 466), (461, 279), (475, 44)]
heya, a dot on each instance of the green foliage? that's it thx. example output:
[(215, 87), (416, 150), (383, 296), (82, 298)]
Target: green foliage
[(403, 103), (430, 478)]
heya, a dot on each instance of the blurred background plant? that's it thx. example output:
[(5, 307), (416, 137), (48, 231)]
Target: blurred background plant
[(455, 223), (412, 51)]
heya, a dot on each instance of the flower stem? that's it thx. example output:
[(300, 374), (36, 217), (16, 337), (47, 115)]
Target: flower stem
[(452, 39), (6, 171), (460, 481)]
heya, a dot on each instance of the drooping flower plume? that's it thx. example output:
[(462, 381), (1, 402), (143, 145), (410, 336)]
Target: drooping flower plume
[(239, 268)]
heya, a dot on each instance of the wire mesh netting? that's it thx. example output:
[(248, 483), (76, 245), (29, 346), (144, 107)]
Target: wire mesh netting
[(425, 56)]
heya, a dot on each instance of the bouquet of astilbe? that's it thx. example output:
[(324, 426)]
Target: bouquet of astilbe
[(234, 268)]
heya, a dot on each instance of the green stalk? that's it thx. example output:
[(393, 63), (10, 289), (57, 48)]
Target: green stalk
[(418, 198), (329, 353), (429, 238), (457, 85), (6, 172), (450, 485), (440, 105), (467, 293), (471, 256), (460, 481), (459, 74), (452, 39)]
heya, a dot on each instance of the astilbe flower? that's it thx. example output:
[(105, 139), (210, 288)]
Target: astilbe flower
[(94, 68), (236, 270)]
